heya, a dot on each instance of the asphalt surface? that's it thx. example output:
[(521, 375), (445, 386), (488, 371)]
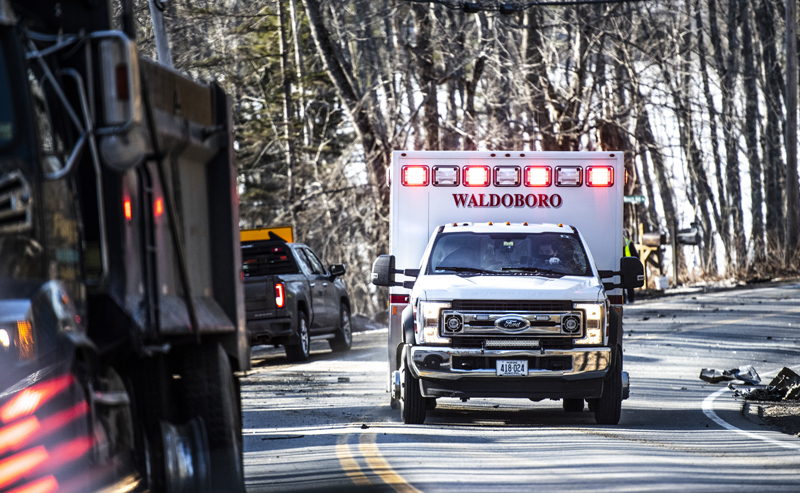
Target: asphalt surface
[(325, 425)]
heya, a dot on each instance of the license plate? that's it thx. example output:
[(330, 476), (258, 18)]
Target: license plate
[(512, 367)]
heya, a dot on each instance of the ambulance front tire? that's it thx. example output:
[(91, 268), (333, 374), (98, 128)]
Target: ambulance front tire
[(412, 404), (609, 405)]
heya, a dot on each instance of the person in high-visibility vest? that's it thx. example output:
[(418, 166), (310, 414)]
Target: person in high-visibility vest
[(629, 250)]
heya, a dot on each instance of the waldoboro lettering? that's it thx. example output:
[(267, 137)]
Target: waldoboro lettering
[(507, 200)]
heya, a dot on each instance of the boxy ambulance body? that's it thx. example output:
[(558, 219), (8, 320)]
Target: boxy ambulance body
[(504, 255)]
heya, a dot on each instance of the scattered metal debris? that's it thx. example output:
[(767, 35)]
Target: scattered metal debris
[(747, 374), (784, 387)]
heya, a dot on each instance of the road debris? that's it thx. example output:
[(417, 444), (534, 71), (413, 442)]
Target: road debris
[(747, 374), (784, 387)]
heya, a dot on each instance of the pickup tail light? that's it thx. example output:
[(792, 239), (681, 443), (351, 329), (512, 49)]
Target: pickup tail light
[(280, 298)]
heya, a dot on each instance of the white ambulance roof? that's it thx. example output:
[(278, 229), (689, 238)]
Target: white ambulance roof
[(507, 228)]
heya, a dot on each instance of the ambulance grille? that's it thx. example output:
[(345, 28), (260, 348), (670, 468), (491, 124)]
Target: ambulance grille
[(511, 305)]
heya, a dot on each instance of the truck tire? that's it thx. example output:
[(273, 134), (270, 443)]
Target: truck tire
[(302, 350), (609, 405), (412, 404), (208, 391), (572, 405), (344, 335)]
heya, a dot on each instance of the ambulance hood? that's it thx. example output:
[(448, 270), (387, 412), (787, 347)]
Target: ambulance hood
[(476, 287)]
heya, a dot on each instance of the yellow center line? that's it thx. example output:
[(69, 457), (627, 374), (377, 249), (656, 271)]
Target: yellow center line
[(348, 462), (369, 449)]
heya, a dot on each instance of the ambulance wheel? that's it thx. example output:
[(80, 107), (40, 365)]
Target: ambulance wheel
[(209, 392), (412, 404), (572, 405), (609, 405), (344, 336), (302, 349)]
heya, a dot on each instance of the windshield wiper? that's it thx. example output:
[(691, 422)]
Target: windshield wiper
[(535, 270), (464, 269)]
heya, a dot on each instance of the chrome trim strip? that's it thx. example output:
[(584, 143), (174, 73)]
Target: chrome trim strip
[(584, 361)]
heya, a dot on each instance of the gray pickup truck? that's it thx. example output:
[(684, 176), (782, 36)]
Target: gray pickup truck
[(291, 299)]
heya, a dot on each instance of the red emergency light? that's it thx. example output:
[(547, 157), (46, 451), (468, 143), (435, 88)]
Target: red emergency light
[(476, 176), (538, 176), (414, 176), (599, 176)]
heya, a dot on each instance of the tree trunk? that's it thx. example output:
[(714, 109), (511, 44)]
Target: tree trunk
[(288, 115), (427, 74), (773, 158), (723, 226), (751, 118)]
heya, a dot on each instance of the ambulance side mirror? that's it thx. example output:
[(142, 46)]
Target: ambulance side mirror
[(631, 272), (383, 272)]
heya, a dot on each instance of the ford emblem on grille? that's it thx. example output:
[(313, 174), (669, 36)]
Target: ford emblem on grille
[(512, 323)]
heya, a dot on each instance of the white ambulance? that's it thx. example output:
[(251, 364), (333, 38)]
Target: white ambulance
[(503, 256)]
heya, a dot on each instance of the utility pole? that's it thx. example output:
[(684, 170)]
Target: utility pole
[(792, 206)]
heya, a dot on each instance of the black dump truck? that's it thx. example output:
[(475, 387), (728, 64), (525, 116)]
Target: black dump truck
[(291, 299), (121, 296)]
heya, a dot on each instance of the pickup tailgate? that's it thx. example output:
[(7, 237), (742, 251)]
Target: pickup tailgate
[(262, 263)]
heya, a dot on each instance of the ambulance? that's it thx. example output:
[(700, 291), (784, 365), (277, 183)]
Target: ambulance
[(505, 278)]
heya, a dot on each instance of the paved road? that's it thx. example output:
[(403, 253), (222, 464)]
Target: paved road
[(325, 425)]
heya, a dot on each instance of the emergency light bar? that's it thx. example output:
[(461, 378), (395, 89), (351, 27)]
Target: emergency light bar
[(599, 176), (476, 176), (414, 176), (538, 176)]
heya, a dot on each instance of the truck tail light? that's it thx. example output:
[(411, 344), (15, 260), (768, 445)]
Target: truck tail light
[(599, 176), (397, 299), (127, 209), (414, 176), (25, 339), (119, 66), (507, 176), (445, 176), (569, 176), (538, 176), (476, 176), (280, 299), (158, 207)]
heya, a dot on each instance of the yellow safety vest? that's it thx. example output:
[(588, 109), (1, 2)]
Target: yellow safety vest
[(627, 247)]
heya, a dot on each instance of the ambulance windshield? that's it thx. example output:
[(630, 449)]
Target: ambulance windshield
[(548, 254)]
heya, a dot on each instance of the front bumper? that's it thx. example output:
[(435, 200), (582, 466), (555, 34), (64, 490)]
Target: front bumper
[(554, 373)]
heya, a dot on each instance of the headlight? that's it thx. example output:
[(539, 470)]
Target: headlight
[(594, 323), (429, 315), (5, 339)]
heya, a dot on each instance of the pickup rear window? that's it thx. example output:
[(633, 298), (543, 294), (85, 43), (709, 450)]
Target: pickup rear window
[(265, 258)]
